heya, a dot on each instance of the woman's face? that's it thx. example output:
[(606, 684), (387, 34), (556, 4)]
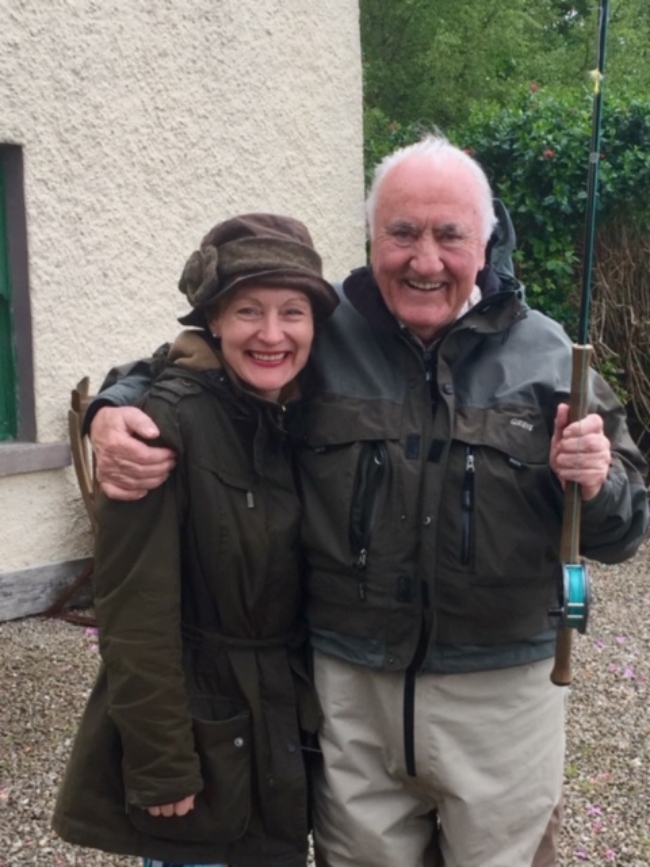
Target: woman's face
[(266, 335)]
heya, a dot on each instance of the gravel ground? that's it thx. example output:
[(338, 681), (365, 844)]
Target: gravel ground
[(48, 667)]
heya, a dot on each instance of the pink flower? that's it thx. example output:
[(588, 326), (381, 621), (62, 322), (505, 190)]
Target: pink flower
[(594, 811), (548, 153), (610, 855)]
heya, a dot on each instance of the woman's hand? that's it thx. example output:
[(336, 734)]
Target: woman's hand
[(180, 808)]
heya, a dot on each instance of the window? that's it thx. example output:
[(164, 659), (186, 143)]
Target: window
[(19, 451), (8, 407)]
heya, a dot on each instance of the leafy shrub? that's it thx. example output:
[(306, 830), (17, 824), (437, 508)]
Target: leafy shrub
[(382, 136), (536, 155), (620, 325)]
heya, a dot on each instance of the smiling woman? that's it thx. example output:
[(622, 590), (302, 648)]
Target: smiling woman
[(265, 335), (203, 698)]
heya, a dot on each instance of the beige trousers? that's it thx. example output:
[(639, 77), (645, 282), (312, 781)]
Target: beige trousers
[(489, 751)]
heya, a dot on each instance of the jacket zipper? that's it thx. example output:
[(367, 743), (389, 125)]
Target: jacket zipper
[(371, 470), (467, 546)]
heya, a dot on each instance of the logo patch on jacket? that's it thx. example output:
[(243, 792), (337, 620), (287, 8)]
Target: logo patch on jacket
[(519, 422)]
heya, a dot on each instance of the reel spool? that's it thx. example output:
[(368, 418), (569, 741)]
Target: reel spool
[(574, 598)]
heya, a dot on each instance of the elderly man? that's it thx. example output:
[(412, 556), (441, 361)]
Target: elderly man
[(436, 451)]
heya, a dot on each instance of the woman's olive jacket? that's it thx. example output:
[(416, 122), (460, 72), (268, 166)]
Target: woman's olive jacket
[(198, 594)]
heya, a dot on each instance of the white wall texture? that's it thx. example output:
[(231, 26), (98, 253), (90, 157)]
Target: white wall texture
[(143, 124)]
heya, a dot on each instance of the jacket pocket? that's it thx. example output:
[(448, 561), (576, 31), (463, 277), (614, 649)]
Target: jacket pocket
[(371, 470), (467, 504), (506, 521), (500, 516), (223, 740)]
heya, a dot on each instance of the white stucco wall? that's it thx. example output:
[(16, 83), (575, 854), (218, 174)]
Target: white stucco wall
[(143, 124)]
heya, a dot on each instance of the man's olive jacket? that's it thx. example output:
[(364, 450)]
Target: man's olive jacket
[(432, 518)]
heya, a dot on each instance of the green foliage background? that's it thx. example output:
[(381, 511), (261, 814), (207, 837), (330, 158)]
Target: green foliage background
[(433, 60), (536, 154), (508, 80)]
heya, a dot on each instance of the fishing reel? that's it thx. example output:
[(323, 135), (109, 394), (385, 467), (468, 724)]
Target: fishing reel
[(573, 597)]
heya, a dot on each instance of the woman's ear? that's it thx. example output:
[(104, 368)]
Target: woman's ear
[(213, 319)]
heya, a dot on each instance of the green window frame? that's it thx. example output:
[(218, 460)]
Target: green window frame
[(20, 452), (8, 383)]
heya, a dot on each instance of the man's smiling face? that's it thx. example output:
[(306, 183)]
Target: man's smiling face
[(427, 245)]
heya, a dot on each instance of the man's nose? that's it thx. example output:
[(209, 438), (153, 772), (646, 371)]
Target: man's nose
[(427, 256)]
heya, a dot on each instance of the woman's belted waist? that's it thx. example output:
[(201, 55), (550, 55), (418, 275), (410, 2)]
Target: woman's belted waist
[(245, 665), (194, 635)]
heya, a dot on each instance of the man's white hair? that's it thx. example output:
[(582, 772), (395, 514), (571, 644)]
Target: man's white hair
[(438, 150)]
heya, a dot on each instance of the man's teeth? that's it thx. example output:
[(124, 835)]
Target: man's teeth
[(268, 356), (425, 287)]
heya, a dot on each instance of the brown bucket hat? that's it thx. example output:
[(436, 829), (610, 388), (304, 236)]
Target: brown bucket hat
[(263, 249)]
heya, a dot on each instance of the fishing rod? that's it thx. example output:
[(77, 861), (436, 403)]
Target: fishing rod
[(573, 608)]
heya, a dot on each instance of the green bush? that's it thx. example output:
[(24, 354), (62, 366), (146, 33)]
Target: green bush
[(381, 136), (536, 155)]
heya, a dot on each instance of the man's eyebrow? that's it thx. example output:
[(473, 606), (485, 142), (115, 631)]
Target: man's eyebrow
[(450, 229), (401, 225)]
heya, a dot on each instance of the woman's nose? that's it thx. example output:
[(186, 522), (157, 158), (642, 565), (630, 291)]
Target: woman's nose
[(271, 330)]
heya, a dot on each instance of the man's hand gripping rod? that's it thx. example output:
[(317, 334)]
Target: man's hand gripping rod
[(573, 609)]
